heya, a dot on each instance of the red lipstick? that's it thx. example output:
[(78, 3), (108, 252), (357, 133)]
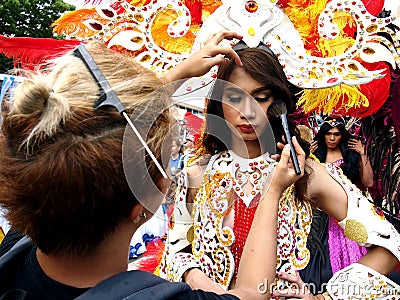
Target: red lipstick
[(246, 128)]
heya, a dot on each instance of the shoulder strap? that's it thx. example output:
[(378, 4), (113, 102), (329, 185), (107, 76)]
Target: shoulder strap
[(132, 285)]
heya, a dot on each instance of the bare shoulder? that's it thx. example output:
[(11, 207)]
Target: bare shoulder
[(196, 167), (318, 178), (310, 162), (314, 168), (325, 191), (195, 171)]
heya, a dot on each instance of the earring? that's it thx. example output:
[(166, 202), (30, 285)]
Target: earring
[(143, 215)]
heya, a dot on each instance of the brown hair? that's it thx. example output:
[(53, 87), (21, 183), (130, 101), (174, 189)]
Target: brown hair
[(61, 168), (264, 68)]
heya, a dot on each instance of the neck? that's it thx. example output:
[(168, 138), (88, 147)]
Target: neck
[(174, 156), (333, 155), (247, 149), (333, 151), (108, 259)]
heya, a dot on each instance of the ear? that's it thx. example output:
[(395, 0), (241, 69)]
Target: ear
[(136, 211)]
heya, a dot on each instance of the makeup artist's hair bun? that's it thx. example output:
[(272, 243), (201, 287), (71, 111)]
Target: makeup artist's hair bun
[(35, 98)]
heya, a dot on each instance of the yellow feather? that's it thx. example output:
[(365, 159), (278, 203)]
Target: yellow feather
[(304, 16), (1, 234), (330, 99)]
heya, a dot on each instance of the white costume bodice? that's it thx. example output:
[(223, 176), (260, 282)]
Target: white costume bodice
[(228, 177)]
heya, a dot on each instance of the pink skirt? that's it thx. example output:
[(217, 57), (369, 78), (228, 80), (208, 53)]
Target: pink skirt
[(343, 252)]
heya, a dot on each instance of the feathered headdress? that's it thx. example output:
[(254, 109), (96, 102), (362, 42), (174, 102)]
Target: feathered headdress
[(340, 52)]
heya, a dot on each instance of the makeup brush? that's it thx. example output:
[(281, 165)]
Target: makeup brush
[(278, 109)]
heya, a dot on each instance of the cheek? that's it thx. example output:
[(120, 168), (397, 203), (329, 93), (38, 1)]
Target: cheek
[(229, 113), (262, 112)]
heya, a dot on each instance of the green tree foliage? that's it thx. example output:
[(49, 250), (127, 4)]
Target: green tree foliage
[(28, 18)]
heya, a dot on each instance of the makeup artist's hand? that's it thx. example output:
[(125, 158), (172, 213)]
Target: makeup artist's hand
[(284, 173), (197, 280), (200, 62)]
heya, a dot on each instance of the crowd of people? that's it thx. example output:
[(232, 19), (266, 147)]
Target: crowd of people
[(77, 184)]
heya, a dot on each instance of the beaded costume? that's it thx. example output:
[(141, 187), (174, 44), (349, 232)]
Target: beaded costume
[(217, 248)]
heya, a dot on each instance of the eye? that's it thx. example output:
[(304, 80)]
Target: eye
[(234, 98), (263, 99)]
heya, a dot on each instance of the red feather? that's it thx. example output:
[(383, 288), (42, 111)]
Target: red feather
[(152, 257), (193, 122), (195, 7), (374, 7), (28, 52)]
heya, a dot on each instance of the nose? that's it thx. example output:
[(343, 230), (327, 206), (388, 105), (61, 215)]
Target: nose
[(248, 109)]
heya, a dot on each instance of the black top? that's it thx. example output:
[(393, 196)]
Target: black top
[(21, 277)]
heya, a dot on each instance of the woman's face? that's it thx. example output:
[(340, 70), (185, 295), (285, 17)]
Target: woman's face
[(333, 138), (174, 148), (244, 106)]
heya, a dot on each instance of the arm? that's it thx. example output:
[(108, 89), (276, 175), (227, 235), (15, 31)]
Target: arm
[(332, 198), (200, 62), (366, 173)]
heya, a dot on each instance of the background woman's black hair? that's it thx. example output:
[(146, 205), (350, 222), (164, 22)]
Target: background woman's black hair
[(350, 157)]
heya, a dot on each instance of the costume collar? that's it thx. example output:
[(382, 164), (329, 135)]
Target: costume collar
[(248, 174)]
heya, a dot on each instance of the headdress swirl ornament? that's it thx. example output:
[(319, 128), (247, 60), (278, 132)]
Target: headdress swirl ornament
[(334, 47)]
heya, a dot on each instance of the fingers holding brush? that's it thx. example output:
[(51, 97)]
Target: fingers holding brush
[(285, 173), (278, 109), (299, 153)]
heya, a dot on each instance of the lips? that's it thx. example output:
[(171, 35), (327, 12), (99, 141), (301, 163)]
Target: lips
[(246, 128)]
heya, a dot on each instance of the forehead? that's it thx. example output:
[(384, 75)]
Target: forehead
[(333, 130), (243, 81)]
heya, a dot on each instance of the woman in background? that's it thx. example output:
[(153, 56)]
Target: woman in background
[(335, 146)]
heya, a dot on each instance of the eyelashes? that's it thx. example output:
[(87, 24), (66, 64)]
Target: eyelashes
[(237, 99), (263, 99), (234, 99)]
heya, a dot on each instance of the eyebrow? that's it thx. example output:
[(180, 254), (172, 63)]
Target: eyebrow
[(239, 90)]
